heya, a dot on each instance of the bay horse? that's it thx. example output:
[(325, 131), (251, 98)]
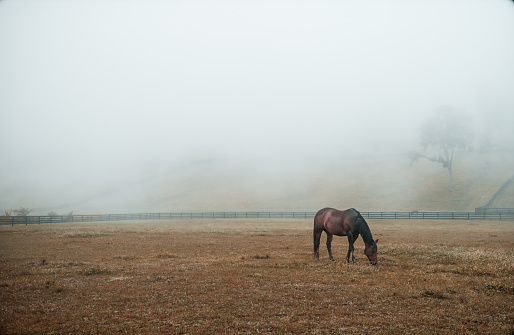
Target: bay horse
[(344, 223)]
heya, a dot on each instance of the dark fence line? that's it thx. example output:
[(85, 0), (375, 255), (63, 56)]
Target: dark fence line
[(438, 215), (486, 209), (12, 220), (504, 211)]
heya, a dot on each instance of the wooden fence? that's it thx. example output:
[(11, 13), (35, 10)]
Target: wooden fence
[(504, 211), (12, 220)]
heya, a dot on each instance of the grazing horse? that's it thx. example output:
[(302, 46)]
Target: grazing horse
[(344, 223)]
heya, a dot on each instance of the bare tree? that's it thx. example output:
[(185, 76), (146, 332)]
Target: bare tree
[(22, 211), (447, 130)]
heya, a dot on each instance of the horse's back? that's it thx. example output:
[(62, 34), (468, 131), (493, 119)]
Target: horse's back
[(335, 221), (322, 215), (351, 212), (323, 211)]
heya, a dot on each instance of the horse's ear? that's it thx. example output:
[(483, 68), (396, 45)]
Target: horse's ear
[(376, 241)]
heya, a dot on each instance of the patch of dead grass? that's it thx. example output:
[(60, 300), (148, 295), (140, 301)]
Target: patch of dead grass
[(221, 279)]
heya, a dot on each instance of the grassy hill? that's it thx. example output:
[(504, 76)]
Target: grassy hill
[(380, 183), (368, 183)]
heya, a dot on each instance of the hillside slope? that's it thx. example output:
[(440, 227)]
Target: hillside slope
[(368, 183), (381, 183), (505, 199)]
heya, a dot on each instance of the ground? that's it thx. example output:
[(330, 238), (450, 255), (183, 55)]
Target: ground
[(255, 276)]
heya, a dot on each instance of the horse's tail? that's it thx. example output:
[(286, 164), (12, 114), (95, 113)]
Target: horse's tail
[(316, 218), (318, 229)]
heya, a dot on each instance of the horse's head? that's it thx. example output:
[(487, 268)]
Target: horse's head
[(370, 250)]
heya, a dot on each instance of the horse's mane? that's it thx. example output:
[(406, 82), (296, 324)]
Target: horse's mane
[(364, 230)]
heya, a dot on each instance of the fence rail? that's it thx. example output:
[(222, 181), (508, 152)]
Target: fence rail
[(12, 220), (504, 211)]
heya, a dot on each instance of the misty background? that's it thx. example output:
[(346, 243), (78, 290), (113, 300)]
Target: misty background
[(134, 106)]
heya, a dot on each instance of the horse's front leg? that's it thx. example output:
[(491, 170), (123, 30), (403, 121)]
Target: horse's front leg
[(350, 249), (329, 246)]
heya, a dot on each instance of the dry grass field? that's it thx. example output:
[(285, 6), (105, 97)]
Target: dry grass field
[(255, 276)]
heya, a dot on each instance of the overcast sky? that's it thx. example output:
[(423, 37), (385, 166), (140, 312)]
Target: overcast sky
[(93, 89)]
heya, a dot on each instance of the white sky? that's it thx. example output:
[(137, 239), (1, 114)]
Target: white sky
[(93, 89)]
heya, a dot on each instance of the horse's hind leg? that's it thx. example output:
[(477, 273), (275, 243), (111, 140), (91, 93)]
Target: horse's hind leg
[(350, 249), (329, 246)]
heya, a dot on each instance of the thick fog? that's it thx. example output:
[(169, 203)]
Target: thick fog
[(110, 106)]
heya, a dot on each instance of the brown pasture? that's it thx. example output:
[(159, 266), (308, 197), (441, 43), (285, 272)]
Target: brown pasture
[(255, 276)]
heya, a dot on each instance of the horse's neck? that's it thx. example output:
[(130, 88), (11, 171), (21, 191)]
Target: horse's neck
[(365, 233)]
